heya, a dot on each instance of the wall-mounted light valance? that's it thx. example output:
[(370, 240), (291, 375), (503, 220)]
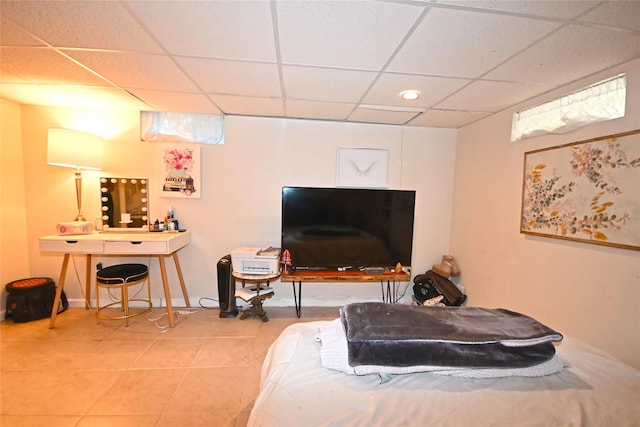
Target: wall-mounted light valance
[(181, 127), (601, 101)]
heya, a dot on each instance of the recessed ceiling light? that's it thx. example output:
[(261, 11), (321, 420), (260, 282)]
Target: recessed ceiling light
[(410, 95)]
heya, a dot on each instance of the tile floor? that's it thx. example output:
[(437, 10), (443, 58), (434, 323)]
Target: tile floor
[(203, 372)]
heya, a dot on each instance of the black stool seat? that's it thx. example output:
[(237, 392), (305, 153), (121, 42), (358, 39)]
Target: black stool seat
[(122, 273), (123, 276)]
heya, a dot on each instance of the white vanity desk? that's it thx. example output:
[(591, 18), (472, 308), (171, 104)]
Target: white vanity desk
[(160, 245)]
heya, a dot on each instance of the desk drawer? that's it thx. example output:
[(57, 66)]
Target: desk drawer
[(71, 246), (135, 247)]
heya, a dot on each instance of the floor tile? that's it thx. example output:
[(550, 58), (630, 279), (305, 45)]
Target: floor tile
[(39, 420), (83, 373), (53, 392), (209, 390), (143, 391), (119, 421)]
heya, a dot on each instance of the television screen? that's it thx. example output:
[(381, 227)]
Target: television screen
[(347, 227)]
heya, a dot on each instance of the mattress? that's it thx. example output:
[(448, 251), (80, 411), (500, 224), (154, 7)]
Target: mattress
[(593, 390)]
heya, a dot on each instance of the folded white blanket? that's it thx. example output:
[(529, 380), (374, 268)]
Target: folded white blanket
[(334, 355)]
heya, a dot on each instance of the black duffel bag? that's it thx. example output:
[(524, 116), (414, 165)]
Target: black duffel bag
[(430, 285), (32, 299)]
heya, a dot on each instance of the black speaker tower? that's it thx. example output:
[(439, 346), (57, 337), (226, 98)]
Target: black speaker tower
[(226, 288)]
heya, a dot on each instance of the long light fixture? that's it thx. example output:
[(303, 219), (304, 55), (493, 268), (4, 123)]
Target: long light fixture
[(78, 150)]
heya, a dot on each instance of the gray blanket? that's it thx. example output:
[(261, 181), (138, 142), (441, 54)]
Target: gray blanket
[(471, 337)]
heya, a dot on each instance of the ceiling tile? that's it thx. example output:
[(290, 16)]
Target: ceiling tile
[(545, 8), (7, 77), (86, 24), (73, 96), (465, 44), (212, 29), (325, 84), (41, 65), (334, 33), (446, 119), (13, 35), (248, 106), (490, 96), (177, 102), (318, 110), (386, 90), (572, 51), (313, 59), (233, 77), (136, 71), (368, 115), (620, 14)]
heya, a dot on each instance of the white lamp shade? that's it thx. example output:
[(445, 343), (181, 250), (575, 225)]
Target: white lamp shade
[(74, 149)]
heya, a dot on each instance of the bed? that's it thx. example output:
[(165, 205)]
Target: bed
[(582, 386)]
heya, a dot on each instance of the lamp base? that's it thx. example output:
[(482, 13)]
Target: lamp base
[(79, 218)]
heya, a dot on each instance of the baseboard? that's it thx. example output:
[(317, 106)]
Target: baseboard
[(211, 302)]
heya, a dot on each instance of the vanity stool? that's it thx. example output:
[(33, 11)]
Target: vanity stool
[(123, 276)]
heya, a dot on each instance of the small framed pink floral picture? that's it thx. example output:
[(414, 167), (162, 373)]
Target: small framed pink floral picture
[(586, 191), (180, 170)]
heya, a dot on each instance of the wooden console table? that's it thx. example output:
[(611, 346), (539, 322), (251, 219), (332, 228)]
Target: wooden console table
[(332, 275)]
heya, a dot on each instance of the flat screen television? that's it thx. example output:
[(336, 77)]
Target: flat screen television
[(326, 228)]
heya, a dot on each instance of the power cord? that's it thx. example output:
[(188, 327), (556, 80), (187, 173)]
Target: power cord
[(207, 299), (176, 317), (404, 291)]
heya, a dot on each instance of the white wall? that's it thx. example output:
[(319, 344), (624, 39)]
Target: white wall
[(588, 291), (241, 190), (14, 262)]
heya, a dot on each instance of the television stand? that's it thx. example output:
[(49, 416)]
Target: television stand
[(333, 275)]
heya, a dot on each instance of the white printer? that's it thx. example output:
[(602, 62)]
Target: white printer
[(250, 260)]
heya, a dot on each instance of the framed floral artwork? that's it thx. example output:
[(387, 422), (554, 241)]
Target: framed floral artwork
[(180, 170), (586, 191)]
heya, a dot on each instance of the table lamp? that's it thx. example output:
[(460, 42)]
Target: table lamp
[(75, 149)]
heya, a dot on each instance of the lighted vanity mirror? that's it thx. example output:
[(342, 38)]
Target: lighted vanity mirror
[(125, 204)]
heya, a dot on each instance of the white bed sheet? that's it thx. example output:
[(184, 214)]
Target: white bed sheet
[(596, 390)]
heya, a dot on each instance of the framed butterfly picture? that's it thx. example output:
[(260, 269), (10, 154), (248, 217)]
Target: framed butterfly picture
[(362, 167)]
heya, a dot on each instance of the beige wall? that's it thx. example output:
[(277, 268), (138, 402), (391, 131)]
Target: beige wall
[(588, 291), (240, 194), (14, 262)]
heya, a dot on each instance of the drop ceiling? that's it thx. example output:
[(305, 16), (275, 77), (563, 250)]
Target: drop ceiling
[(324, 60)]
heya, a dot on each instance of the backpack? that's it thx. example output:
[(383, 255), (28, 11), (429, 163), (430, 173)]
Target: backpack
[(32, 299), (430, 285)]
